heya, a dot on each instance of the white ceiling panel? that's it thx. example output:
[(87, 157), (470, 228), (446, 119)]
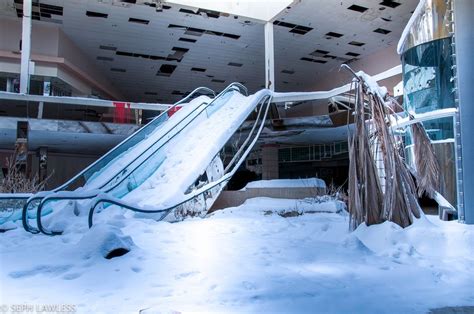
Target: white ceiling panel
[(137, 49)]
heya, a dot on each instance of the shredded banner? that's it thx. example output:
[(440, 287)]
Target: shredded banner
[(122, 112)]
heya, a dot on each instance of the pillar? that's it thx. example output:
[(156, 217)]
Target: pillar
[(25, 48), (269, 57), (464, 45)]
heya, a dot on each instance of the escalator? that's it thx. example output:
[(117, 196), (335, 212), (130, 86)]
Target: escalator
[(193, 173), (179, 171), (109, 166)]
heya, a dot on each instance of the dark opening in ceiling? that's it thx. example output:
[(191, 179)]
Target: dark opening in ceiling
[(198, 69), (390, 3), (166, 70), (294, 28), (96, 14), (353, 54), (138, 21), (188, 40), (333, 34), (357, 8), (356, 43), (382, 31)]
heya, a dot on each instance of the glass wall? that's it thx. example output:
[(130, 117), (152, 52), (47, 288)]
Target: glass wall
[(427, 76)]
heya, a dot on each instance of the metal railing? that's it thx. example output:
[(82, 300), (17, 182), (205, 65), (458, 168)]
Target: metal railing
[(91, 194)]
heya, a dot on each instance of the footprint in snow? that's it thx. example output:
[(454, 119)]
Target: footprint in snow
[(185, 275)]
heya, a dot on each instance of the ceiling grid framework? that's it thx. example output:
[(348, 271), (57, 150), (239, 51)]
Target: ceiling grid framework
[(222, 48)]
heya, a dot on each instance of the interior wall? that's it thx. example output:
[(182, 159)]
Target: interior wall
[(44, 38)]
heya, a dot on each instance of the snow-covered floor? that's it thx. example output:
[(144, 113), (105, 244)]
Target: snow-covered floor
[(245, 259)]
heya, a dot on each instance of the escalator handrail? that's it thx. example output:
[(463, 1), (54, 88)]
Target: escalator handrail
[(104, 198), (42, 195), (242, 89)]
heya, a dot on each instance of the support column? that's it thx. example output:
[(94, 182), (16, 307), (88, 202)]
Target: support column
[(25, 48), (464, 45), (40, 110), (269, 57), (9, 85), (270, 162)]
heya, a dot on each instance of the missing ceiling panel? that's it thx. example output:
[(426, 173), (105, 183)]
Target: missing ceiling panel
[(51, 9), (294, 28), (390, 3), (199, 32), (217, 81), (118, 70), (124, 53), (166, 70), (301, 30), (297, 31), (382, 31), (232, 36), (40, 11), (138, 21), (235, 64), (151, 93), (97, 14), (198, 69), (288, 71), (329, 57), (141, 55), (313, 60), (319, 53), (356, 43), (194, 31), (353, 54), (284, 24), (187, 11), (210, 13), (213, 33), (178, 54), (177, 26), (188, 40), (357, 8), (333, 35)]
